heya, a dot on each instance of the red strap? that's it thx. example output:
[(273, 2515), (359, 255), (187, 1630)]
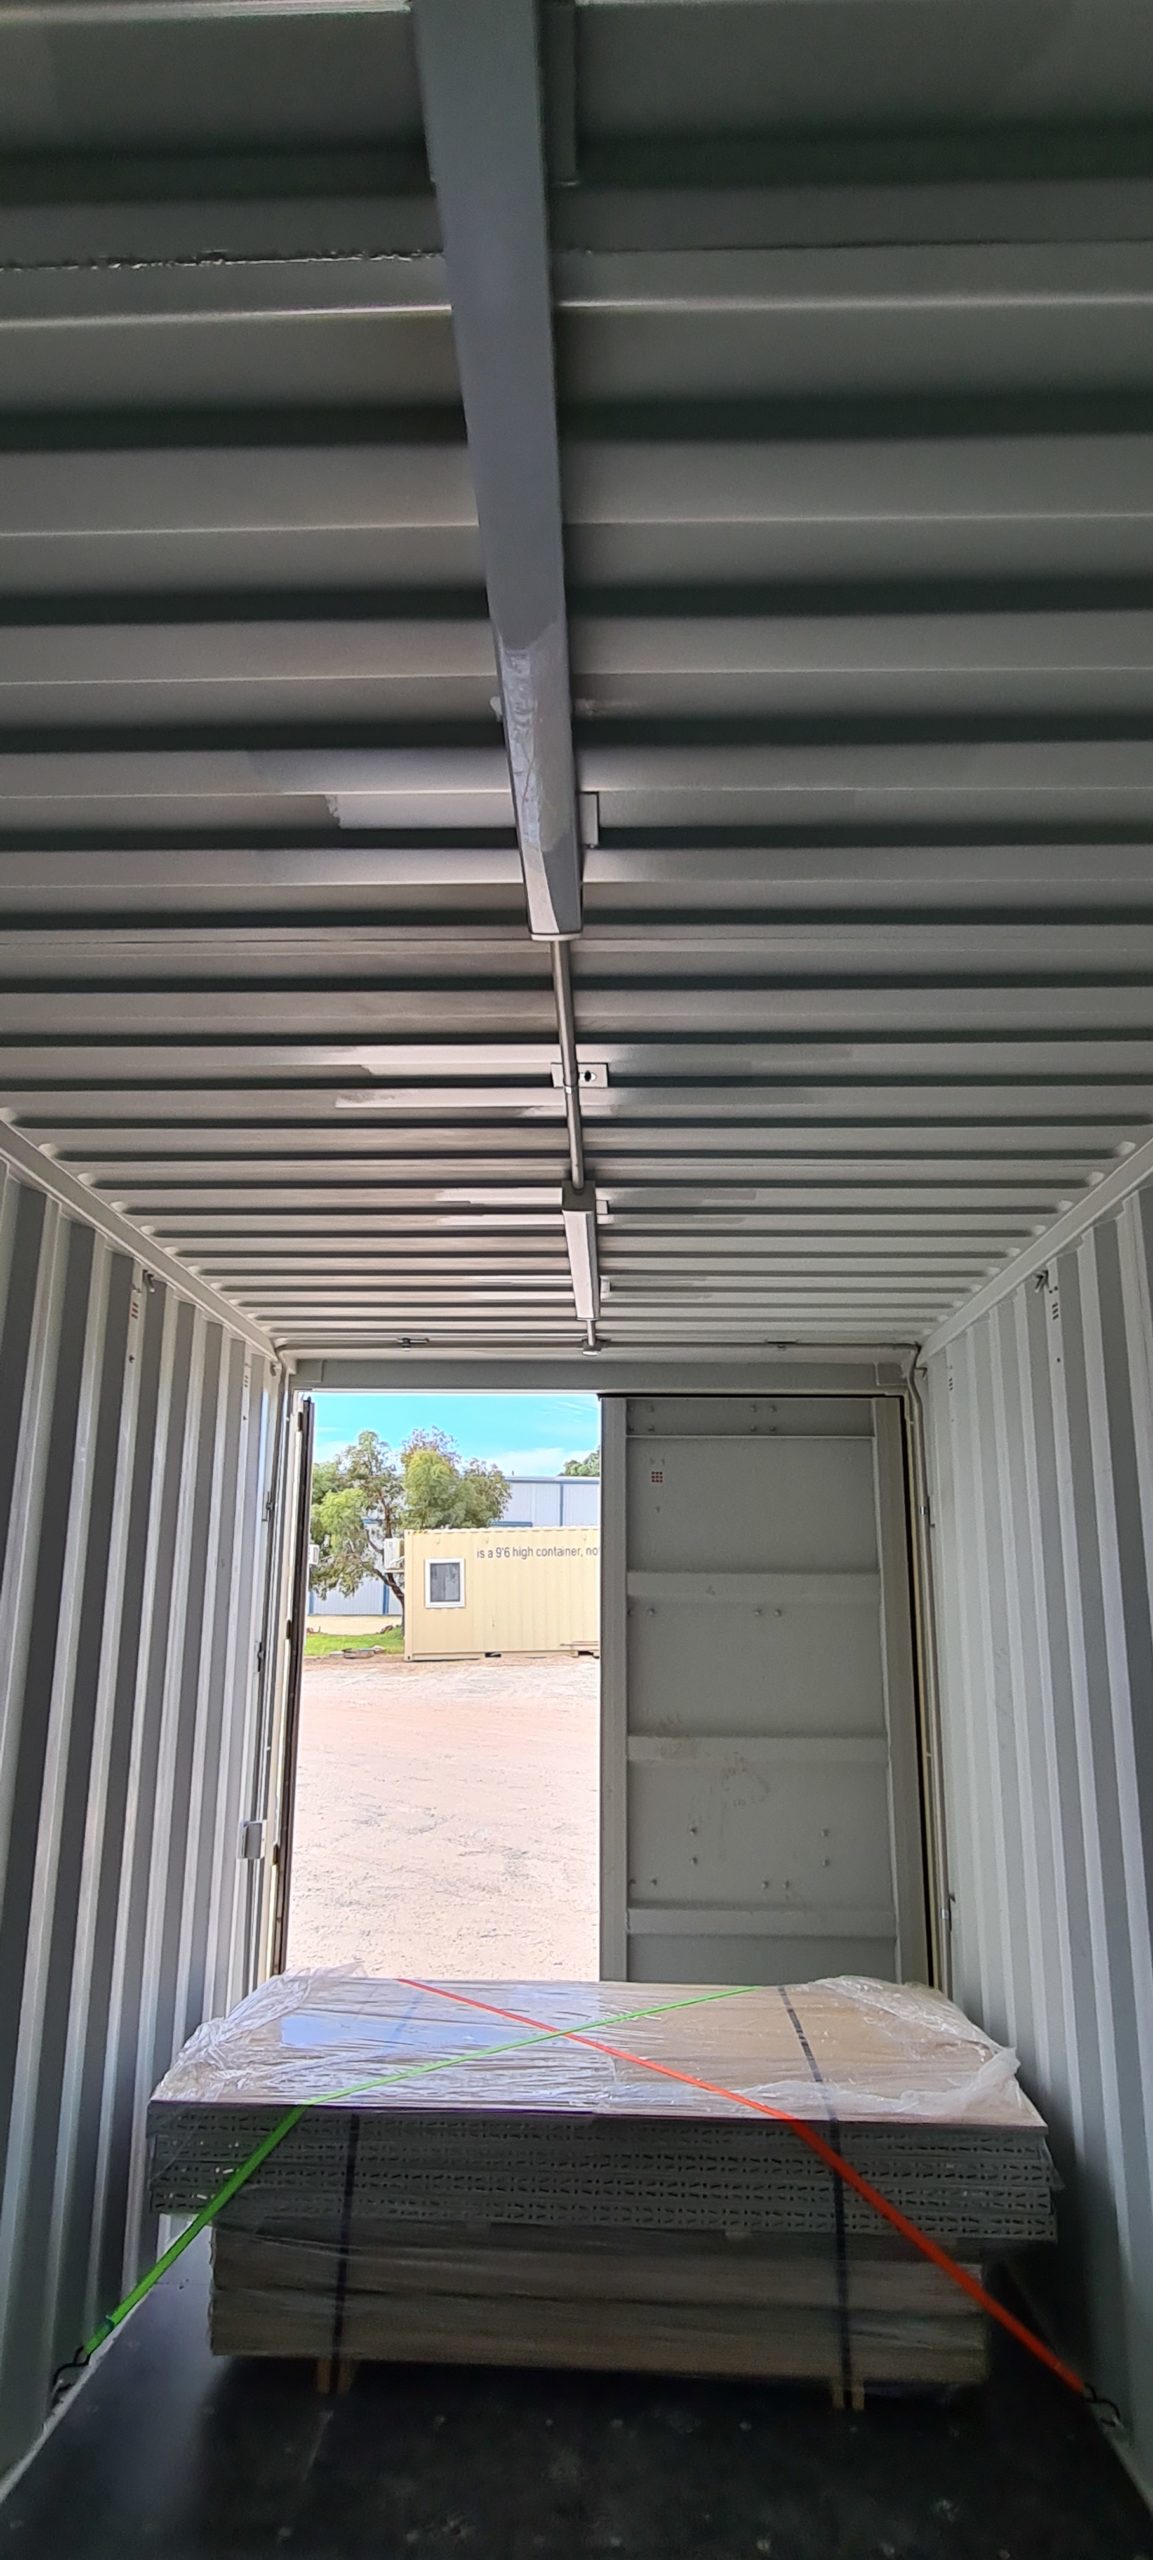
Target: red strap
[(815, 2141)]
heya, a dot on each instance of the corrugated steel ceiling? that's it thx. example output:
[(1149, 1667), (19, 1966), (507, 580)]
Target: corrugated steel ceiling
[(854, 394)]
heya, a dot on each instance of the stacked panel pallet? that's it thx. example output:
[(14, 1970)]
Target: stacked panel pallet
[(461, 2179)]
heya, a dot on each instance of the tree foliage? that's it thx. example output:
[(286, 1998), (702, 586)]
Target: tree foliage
[(370, 1494), (590, 1466)]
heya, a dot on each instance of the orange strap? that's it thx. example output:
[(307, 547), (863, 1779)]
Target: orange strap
[(815, 2142)]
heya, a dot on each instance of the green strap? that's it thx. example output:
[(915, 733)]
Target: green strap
[(340, 2097)]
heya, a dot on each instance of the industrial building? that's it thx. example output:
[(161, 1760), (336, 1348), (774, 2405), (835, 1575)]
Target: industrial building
[(576, 810)]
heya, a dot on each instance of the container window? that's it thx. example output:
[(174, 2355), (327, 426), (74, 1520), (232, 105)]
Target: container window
[(444, 1583)]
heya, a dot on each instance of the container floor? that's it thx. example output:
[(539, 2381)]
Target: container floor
[(166, 2451)]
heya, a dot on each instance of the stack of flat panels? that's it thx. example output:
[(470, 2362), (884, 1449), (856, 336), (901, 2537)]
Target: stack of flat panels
[(468, 2182)]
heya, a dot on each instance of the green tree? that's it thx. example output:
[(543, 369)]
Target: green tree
[(441, 1494), (369, 1495), (590, 1466)]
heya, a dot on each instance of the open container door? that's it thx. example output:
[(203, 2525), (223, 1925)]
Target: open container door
[(286, 1740), (761, 1797)]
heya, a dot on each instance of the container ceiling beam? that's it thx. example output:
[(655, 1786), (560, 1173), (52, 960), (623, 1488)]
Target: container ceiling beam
[(480, 80)]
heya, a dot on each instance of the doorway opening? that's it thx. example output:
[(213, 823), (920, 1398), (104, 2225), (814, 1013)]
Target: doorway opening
[(447, 1775)]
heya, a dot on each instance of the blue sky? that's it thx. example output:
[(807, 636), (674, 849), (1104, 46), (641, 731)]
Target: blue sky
[(526, 1435)]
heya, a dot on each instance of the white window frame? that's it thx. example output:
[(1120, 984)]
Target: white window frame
[(429, 1562)]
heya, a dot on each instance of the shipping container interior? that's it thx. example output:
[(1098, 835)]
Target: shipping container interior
[(576, 657)]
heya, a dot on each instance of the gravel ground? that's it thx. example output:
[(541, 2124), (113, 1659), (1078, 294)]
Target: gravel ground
[(447, 1817)]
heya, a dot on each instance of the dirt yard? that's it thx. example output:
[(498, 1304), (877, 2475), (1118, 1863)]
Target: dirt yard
[(447, 1817)]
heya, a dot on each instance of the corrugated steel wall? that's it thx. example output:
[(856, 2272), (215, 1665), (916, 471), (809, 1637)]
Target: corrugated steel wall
[(137, 1447), (1040, 1426)]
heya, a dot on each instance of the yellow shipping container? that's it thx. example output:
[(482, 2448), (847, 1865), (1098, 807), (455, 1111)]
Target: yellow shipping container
[(500, 1591)]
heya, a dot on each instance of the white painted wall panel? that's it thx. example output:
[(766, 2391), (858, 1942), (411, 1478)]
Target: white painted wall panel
[(751, 1832), (698, 1501), (781, 1656), (1040, 1449), (694, 1955)]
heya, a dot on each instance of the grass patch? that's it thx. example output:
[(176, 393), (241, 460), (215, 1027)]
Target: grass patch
[(389, 1640)]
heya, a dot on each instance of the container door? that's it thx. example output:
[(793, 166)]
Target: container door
[(761, 1796), (295, 1628)]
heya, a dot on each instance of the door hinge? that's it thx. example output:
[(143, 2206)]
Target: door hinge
[(251, 1841), (260, 1658)]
